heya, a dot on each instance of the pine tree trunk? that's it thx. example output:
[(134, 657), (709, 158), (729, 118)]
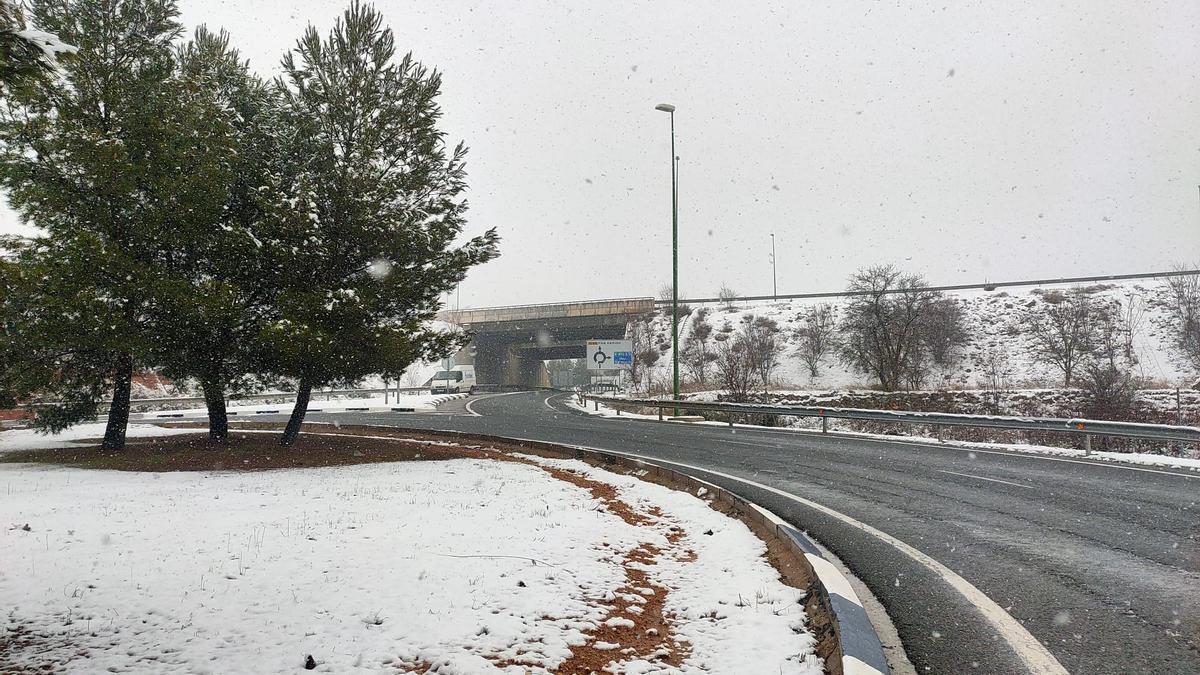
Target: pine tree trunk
[(118, 410), (218, 420), (293, 426)]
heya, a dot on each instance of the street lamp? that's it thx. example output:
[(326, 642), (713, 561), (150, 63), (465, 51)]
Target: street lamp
[(774, 283), (670, 110)]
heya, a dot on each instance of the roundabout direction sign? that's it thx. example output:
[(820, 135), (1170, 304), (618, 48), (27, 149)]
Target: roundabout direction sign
[(609, 354)]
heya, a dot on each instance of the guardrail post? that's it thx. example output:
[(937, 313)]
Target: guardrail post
[(660, 413), (937, 432), (618, 409), (1087, 444), (824, 424), (597, 404)]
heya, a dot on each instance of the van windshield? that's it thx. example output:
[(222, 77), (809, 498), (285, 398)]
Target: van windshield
[(448, 375)]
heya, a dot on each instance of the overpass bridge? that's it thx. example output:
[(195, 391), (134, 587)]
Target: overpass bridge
[(511, 344)]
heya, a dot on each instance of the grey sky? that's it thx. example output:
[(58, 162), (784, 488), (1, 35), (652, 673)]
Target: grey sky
[(976, 141)]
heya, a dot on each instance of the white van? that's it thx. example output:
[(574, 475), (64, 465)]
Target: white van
[(458, 379)]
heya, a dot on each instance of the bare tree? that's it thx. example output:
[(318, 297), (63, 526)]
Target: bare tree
[(1111, 391), (816, 336), (696, 354), (1108, 334), (1183, 300), (882, 325), (1132, 319), (645, 355), (943, 329), (1063, 331), (666, 296), (728, 296), (413, 374), (995, 370), (763, 348), (734, 370), (1106, 376)]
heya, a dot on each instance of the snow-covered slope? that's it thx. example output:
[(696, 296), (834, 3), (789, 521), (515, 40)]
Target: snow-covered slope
[(995, 323)]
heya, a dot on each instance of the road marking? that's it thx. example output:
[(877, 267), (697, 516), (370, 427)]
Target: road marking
[(994, 480), (754, 445), (484, 398), (1034, 654), (564, 394)]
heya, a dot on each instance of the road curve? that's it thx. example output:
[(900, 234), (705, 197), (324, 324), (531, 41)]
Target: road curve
[(1099, 563)]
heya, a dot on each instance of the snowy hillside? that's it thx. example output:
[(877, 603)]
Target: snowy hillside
[(995, 325)]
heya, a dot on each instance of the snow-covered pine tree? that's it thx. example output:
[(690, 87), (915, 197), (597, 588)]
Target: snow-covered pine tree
[(102, 165), (53, 330), (218, 289), (371, 217), (26, 54)]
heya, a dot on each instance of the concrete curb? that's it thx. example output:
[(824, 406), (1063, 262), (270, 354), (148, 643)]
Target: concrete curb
[(859, 649), (862, 650), (445, 398)]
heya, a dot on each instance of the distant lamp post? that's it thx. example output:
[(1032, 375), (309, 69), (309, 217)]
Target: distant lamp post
[(774, 283), (670, 110)]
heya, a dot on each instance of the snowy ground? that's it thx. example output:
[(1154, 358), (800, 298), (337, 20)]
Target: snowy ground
[(995, 321), (467, 565), (1141, 458), (372, 404), (28, 439)]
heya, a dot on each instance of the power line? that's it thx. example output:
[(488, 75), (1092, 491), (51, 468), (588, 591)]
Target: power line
[(987, 286)]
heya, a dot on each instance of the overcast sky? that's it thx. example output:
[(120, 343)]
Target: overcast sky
[(979, 141)]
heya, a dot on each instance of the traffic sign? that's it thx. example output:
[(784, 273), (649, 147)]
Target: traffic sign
[(609, 354)]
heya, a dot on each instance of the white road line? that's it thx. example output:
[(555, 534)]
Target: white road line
[(753, 445), (1034, 654), (994, 480), (484, 398)]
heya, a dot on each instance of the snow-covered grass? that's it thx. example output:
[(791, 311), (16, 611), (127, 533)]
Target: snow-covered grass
[(1140, 458), (463, 564), (28, 439)]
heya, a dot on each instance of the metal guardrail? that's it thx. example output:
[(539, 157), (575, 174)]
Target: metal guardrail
[(1078, 426)]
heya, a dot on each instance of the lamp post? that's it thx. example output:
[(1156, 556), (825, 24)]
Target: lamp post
[(670, 110), (774, 283)]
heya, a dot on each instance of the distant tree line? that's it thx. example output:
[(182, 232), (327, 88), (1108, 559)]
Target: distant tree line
[(896, 330), (216, 227)]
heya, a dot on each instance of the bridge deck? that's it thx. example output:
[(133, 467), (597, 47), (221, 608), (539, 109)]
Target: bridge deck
[(558, 310)]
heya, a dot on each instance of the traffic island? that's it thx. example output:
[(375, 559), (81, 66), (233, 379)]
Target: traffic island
[(407, 551)]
